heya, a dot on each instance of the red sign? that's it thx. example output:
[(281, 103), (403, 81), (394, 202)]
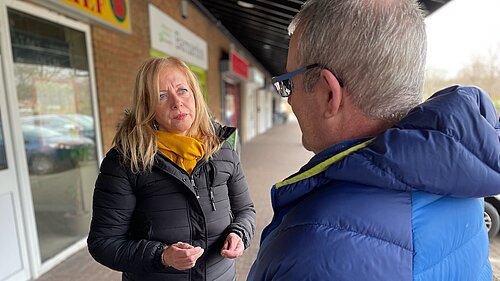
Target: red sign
[(119, 8), (239, 65)]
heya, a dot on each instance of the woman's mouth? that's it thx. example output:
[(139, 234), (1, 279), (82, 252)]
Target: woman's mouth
[(181, 116)]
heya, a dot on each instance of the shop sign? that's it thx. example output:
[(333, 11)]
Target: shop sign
[(239, 66), (170, 37), (257, 77), (112, 13)]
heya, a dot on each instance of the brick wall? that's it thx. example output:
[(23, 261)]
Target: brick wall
[(116, 58)]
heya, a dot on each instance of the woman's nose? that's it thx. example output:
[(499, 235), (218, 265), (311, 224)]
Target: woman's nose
[(176, 101)]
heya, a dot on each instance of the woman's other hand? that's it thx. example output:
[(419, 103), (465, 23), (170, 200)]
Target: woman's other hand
[(181, 256), (233, 247)]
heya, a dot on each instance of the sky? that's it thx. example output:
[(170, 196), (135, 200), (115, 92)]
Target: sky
[(460, 31)]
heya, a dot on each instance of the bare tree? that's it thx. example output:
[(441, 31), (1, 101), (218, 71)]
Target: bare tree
[(482, 71)]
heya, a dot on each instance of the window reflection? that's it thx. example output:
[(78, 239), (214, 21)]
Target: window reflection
[(55, 104), (49, 151), (3, 156)]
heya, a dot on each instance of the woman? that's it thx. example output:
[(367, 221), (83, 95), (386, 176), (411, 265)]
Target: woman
[(171, 201)]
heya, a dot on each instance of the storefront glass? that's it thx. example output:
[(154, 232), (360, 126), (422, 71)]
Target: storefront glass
[(55, 104), (231, 105), (3, 156)]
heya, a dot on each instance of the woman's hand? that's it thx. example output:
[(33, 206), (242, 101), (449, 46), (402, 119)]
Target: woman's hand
[(233, 247), (181, 256)]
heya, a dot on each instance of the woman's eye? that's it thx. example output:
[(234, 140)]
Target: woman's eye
[(163, 96), (183, 91)]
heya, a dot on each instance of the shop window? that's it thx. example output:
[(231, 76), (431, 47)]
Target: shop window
[(55, 104), (3, 156)]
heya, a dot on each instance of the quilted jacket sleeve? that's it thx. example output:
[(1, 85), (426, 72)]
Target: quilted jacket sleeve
[(242, 206), (113, 205)]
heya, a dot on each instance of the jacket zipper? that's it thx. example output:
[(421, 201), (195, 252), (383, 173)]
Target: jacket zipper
[(194, 187), (212, 200), (191, 179)]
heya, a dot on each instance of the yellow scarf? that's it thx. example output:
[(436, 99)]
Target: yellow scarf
[(183, 150)]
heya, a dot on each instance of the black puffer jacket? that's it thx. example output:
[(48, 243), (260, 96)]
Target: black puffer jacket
[(136, 215)]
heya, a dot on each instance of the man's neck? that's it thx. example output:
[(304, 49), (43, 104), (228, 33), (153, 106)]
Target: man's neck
[(354, 124)]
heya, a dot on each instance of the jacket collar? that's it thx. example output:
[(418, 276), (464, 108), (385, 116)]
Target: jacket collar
[(310, 176)]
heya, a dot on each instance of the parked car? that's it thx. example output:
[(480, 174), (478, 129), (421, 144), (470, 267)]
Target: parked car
[(55, 122), (48, 151), (491, 215), (83, 120)]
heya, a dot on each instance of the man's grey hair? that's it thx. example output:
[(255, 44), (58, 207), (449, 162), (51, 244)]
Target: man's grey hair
[(376, 47)]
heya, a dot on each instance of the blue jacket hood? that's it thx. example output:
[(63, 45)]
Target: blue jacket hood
[(448, 145)]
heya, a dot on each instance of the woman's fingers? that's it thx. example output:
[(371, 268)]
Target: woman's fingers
[(233, 247), (184, 256)]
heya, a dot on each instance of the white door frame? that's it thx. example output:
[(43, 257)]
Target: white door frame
[(9, 104), (11, 204)]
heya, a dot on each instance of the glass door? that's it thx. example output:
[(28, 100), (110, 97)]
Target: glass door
[(53, 87)]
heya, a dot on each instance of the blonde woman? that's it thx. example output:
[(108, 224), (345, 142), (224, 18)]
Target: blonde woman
[(171, 201)]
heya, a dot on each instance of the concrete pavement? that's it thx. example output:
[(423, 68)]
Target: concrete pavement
[(266, 159)]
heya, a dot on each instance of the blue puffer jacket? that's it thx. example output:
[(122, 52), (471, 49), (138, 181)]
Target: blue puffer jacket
[(405, 205)]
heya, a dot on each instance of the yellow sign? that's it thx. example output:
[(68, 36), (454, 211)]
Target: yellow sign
[(115, 13)]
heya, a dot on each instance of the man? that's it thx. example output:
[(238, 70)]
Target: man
[(394, 189)]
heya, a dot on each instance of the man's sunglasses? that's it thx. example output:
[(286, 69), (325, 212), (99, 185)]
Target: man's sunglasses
[(283, 83)]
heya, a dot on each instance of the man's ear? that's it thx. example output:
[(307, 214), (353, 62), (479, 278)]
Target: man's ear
[(333, 93)]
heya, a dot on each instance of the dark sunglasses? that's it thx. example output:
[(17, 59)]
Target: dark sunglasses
[(283, 83)]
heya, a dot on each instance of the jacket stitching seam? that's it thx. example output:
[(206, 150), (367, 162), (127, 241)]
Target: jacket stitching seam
[(343, 229)]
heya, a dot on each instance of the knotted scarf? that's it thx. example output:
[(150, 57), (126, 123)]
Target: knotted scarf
[(183, 150)]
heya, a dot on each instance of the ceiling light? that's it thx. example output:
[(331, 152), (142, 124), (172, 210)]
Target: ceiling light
[(245, 4)]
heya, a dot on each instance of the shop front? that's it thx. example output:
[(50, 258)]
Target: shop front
[(49, 138), (67, 70), (234, 73)]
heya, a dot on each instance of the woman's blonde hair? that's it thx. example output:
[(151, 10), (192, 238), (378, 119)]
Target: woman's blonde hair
[(136, 139)]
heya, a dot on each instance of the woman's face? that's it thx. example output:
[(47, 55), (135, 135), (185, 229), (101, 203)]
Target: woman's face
[(176, 110)]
